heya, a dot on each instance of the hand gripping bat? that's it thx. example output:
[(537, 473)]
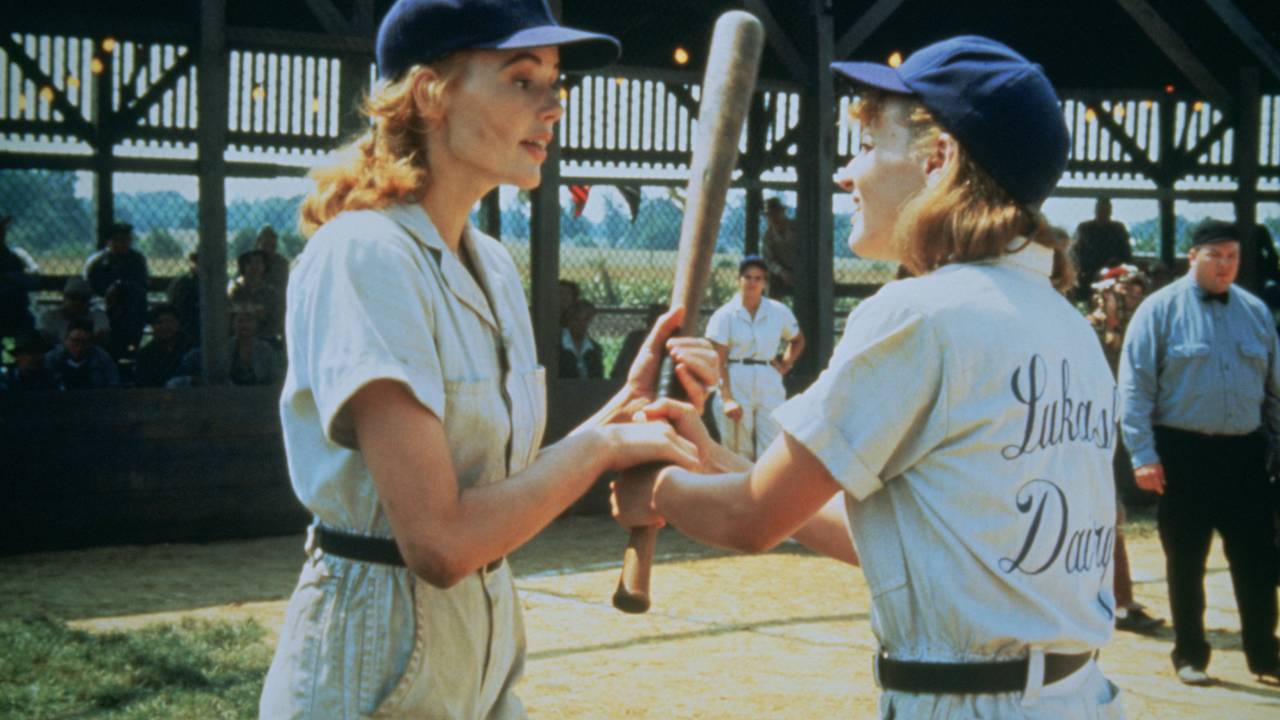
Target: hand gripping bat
[(732, 65)]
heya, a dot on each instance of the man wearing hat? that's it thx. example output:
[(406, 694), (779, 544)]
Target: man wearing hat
[(1200, 403), (118, 274), (16, 281), (778, 248), (75, 306)]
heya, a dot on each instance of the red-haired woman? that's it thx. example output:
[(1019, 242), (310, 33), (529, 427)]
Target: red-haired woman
[(413, 407)]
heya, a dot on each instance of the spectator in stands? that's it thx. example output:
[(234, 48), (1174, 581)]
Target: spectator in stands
[(160, 360), (568, 294), (184, 296), (580, 356), (277, 274), (250, 288), (632, 343), (127, 326), (254, 361), (28, 373), (1100, 242), (79, 364), (17, 278), (1267, 266), (75, 307), (778, 248)]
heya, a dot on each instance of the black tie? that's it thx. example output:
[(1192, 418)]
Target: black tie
[(1217, 297)]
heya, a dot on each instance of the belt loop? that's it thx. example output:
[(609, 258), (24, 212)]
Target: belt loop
[(1035, 677)]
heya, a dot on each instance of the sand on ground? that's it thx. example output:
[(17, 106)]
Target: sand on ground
[(780, 635)]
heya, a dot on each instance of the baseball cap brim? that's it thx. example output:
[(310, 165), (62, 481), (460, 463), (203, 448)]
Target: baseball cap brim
[(872, 74), (579, 49)]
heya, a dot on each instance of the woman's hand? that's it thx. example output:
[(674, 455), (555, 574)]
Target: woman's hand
[(781, 366), (733, 410), (648, 441), (696, 364)]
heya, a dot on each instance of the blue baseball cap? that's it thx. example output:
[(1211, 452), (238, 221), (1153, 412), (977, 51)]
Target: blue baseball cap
[(1000, 106), (419, 31)]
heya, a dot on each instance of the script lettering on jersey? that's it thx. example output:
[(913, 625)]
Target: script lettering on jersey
[(1050, 539), (1062, 418)]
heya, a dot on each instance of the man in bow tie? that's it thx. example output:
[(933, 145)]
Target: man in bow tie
[(1200, 407)]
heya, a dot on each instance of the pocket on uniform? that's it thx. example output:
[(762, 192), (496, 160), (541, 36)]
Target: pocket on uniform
[(391, 701), (1254, 353), (1189, 350)]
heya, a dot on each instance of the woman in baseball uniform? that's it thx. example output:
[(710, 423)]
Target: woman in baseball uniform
[(746, 332), (963, 431), (414, 406)]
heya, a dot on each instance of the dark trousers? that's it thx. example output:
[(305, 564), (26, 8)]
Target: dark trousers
[(1217, 482)]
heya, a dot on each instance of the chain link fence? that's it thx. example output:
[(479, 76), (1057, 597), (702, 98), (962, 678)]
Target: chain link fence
[(618, 242)]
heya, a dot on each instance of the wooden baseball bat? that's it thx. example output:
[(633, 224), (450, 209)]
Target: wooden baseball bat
[(729, 81)]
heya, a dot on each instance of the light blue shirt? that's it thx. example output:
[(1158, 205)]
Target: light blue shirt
[(1197, 365)]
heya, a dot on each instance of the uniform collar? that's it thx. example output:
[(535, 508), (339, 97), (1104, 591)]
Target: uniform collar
[(1032, 256), (739, 307), (413, 218)]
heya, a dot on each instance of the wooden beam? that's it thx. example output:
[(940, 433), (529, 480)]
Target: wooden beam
[(213, 89), (544, 253), (773, 157), (129, 117), (1136, 154), (778, 40), (281, 40), (1248, 34), (72, 118), (814, 224), (1172, 44), (1248, 131), (1188, 158), (866, 25), (330, 18)]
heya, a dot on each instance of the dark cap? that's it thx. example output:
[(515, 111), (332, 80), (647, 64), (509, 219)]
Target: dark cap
[(753, 261), (1214, 231), (116, 229), (419, 31), (998, 105)]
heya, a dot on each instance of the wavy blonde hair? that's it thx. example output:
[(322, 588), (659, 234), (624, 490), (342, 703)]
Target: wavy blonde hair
[(965, 216), (387, 164)]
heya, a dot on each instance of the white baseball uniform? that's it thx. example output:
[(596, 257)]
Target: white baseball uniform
[(755, 385), (970, 417), (378, 295)]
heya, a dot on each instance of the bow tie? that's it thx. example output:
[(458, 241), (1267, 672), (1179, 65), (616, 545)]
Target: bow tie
[(1221, 297)]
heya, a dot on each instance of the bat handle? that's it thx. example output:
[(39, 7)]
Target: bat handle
[(632, 595)]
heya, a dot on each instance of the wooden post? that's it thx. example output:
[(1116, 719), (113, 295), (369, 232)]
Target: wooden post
[(544, 253), (757, 127), (1164, 184), (211, 146), (353, 77), (491, 214), (814, 225), (1248, 129), (104, 209)]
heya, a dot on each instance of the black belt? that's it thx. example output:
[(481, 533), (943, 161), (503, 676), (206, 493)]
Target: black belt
[(971, 678), (749, 361), (368, 549)]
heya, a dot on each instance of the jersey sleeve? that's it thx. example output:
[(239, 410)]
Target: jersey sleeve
[(880, 405), (790, 327), (718, 326), (362, 313)]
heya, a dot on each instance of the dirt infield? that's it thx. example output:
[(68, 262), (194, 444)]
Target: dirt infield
[(782, 635)]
